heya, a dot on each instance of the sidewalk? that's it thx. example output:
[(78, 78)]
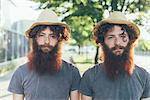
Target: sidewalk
[(143, 61), (4, 81)]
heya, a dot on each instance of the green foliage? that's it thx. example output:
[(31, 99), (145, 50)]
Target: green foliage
[(81, 28), (144, 45), (7, 68)]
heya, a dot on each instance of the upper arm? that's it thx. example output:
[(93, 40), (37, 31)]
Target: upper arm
[(18, 96), (84, 97), (86, 85), (16, 83), (75, 80), (74, 95), (146, 92)]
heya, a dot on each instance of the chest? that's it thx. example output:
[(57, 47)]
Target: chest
[(128, 89), (45, 87)]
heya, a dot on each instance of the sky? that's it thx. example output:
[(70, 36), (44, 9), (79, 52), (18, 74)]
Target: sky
[(25, 9)]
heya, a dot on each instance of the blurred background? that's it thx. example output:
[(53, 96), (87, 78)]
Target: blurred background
[(81, 15)]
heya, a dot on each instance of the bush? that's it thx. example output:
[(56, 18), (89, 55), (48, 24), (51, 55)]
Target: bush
[(7, 68), (144, 45)]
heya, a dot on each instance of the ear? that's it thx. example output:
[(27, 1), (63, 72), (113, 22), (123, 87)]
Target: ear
[(66, 34), (60, 37), (99, 45), (30, 43)]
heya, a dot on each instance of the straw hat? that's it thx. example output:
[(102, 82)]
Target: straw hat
[(117, 17), (47, 17)]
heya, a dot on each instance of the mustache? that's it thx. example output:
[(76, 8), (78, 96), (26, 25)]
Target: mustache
[(117, 47), (48, 46)]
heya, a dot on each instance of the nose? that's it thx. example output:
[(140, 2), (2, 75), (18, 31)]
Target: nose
[(117, 41), (47, 40)]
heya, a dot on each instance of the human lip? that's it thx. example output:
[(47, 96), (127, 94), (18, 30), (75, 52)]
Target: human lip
[(45, 46), (118, 50)]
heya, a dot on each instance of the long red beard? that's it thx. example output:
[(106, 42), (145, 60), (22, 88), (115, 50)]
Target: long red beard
[(43, 63), (116, 65)]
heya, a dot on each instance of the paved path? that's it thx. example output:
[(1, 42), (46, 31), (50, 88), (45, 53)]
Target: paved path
[(4, 81)]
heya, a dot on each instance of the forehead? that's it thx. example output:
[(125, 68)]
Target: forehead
[(47, 30), (116, 30)]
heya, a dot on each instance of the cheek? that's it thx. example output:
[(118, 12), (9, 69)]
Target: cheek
[(53, 43), (125, 41), (109, 44), (40, 41)]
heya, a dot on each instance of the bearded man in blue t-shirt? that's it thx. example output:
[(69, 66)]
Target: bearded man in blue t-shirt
[(117, 77), (46, 76)]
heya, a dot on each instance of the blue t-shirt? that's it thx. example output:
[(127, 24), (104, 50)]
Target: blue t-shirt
[(45, 87), (96, 84)]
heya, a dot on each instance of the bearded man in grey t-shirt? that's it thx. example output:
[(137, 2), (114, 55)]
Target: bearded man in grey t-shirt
[(46, 76), (117, 78)]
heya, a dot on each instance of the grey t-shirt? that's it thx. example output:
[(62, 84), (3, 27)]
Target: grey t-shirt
[(45, 87), (97, 85)]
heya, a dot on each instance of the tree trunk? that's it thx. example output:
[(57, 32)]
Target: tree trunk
[(79, 47), (96, 55)]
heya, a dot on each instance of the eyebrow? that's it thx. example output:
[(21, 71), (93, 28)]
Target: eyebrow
[(109, 35), (123, 33), (45, 33)]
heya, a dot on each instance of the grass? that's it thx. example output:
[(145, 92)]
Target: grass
[(82, 62), (83, 67), (7, 68)]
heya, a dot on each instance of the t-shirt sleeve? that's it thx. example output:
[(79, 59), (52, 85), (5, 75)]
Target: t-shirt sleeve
[(146, 92), (75, 79), (15, 85), (85, 84)]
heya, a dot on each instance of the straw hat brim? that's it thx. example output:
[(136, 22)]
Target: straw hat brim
[(47, 23), (130, 24)]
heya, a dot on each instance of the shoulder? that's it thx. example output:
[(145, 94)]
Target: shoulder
[(141, 71), (71, 71), (89, 77), (68, 66), (92, 72), (23, 69)]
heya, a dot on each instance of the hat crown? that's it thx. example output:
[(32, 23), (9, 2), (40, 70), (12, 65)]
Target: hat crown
[(48, 16), (116, 15)]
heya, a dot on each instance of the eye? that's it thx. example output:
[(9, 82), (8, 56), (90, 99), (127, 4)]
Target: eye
[(123, 35), (40, 35), (53, 36), (109, 37)]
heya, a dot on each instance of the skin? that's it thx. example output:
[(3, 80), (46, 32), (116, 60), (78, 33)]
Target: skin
[(84, 97), (75, 95), (113, 38), (116, 38), (47, 38), (18, 96)]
